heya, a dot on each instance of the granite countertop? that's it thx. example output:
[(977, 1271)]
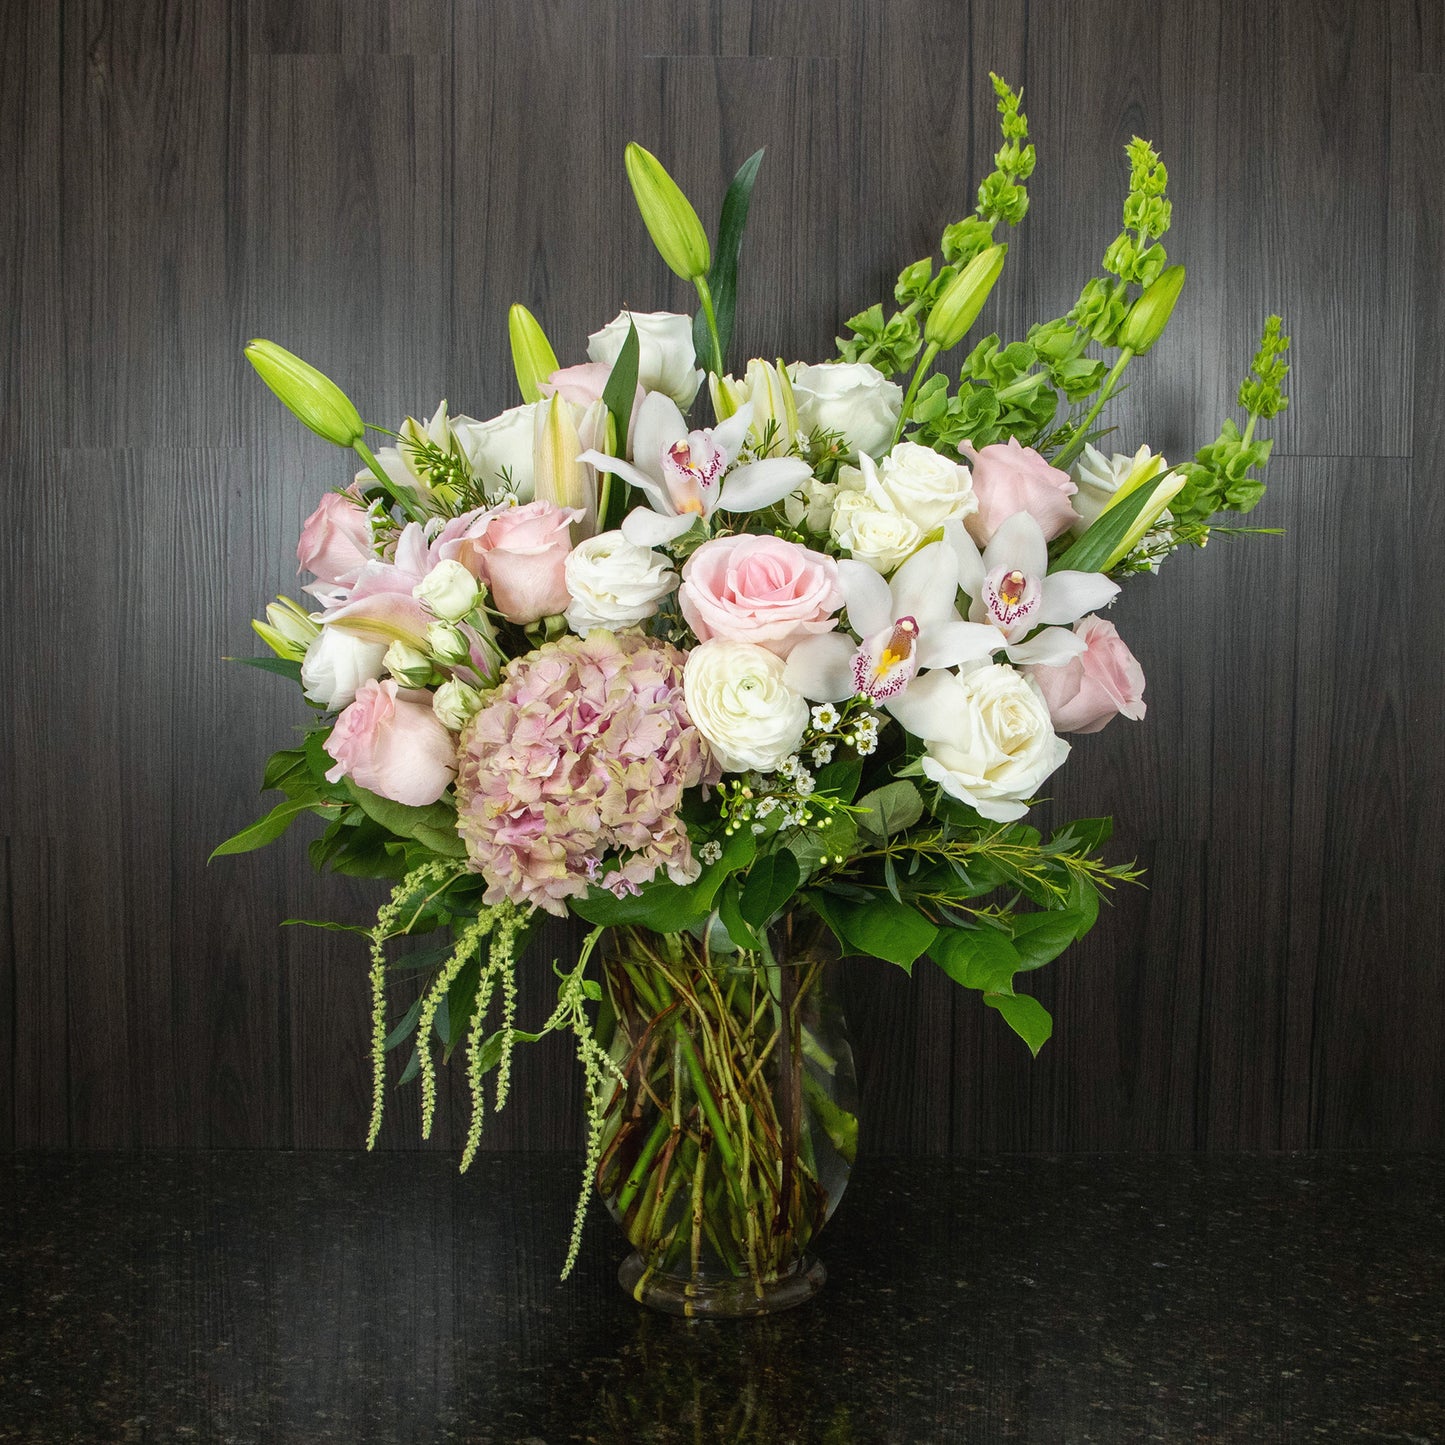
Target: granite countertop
[(337, 1297)]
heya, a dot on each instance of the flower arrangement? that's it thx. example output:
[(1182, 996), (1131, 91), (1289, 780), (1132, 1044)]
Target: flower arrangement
[(803, 666)]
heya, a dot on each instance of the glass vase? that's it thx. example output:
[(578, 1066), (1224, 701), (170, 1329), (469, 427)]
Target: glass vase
[(729, 1144)]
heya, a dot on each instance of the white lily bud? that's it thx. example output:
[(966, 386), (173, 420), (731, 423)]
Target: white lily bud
[(558, 476), (288, 630), (449, 591)]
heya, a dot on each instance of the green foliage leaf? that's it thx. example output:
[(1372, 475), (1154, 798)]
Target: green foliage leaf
[(621, 389), (981, 958), (327, 924), (1096, 546), (889, 810), (281, 666), (771, 881), (1026, 1016), (723, 276), (663, 906), (1042, 937), (879, 928), (435, 825), (267, 829), (729, 911)]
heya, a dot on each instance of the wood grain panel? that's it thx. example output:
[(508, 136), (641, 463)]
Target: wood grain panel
[(374, 183)]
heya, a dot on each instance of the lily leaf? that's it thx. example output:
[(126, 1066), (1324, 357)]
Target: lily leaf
[(722, 278)]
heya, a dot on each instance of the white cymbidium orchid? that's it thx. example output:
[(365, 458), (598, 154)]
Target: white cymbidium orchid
[(1014, 592), (907, 624), (685, 475)]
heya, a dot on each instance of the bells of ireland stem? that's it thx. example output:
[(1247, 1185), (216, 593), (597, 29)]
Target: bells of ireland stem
[(314, 399), (668, 215), (957, 309), (1150, 314), (532, 356)]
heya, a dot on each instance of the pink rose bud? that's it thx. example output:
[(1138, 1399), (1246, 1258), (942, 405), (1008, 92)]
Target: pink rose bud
[(1088, 690), (760, 589), (521, 554), (1008, 478), (390, 741), (335, 541)]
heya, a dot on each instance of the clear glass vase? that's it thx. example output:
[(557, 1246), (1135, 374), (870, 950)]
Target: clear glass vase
[(730, 1143)]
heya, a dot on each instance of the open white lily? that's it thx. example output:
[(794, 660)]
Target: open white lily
[(1013, 591), (690, 474), (905, 625)]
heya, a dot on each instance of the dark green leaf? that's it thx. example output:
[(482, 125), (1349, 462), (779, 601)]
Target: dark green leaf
[(266, 830), (1084, 835), (981, 958), (889, 810), (434, 825), (412, 1069), (1026, 1016), (879, 928), (771, 881), (621, 389), (840, 778), (405, 1029), (282, 666), (1097, 545), (723, 277), (729, 911), (280, 766), (1042, 937), (662, 905)]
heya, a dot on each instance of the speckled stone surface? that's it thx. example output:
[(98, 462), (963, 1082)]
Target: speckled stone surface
[(331, 1297)]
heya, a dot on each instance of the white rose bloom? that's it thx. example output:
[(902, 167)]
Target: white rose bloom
[(811, 505), (666, 360), (448, 590), (336, 664), (866, 521), (851, 398), (990, 743), (501, 445), (738, 701), (927, 488), (614, 583)]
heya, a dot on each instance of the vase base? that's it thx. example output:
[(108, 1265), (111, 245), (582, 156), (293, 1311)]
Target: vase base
[(720, 1299)]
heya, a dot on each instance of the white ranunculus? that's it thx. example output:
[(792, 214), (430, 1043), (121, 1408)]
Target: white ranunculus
[(738, 701), (927, 488), (336, 664), (448, 590), (851, 398), (666, 360), (614, 583), (866, 521), (990, 743), (501, 448)]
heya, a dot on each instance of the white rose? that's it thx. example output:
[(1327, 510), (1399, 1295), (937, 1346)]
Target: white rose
[(811, 506), (336, 664), (666, 360), (738, 701), (501, 446), (448, 590), (851, 398), (927, 488), (997, 745), (614, 583), (454, 704), (866, 521)]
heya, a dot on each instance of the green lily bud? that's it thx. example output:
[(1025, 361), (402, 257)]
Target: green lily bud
[(532, 356), (1150, 314), (727, 395), (668, 215), (288, 630), (957, 309), (315, 400)]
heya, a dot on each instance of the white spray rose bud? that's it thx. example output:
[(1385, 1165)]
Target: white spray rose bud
[(927, 488), (455, 703), (850, 398), (614, 583), (811, 506), (409, 666), (738, 701), (448, 590), (447, 645), (336, 664)]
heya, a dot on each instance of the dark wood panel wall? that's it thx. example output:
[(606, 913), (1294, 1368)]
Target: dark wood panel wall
[(371, 182)]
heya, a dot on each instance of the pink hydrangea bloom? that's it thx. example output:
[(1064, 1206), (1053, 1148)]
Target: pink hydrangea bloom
[(583, 751)]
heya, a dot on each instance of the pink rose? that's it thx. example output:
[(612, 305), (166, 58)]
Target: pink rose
[(1085, 692), (521, 554), (335, 541), (389, 740), (1008, 478), (759, 589)]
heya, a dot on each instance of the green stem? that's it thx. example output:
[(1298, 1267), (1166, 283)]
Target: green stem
[(1249, 428), (1105, 392), (387, 485), (704, 292), (930, 354)]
